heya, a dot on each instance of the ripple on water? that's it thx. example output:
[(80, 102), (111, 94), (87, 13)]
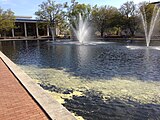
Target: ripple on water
[(118, 98), (109, 77)]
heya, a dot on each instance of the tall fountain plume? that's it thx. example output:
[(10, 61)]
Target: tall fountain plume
[(148, 29), (82, 30)]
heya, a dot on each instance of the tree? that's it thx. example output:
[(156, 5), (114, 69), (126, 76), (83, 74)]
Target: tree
[(130, 17), (75, 9), (51, 13), (63, 27), (117, 22), (7, 21), (102, 17)]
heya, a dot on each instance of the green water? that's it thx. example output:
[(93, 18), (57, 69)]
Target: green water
[(142, 92)]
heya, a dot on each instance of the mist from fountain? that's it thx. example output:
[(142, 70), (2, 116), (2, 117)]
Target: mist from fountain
[(82, 30), (148, 29)]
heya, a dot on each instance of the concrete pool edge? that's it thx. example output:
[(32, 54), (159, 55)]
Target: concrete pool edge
[(53, 109)]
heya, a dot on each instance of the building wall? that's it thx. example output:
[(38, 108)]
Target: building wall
[(24, 28)]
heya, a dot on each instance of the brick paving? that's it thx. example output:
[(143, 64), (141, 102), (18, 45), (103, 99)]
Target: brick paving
[(15, 102)]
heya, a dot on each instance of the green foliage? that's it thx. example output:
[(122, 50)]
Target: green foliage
[(63, 26), (75, 9), (82, 9), (128, 9), (130, 17), (50, 12), (147, 9), (7, 20), (103, 17)]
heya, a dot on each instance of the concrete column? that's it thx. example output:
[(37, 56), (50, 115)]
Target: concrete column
[(25, 30), (47, 30), (37, 32), (13, 32)]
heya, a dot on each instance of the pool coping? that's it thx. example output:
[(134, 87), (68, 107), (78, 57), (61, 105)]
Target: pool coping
[(53, 109)]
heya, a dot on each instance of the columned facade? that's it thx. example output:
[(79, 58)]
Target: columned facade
[(28, 28)]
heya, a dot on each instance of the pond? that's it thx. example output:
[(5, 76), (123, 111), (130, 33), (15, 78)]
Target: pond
[(97, 81)]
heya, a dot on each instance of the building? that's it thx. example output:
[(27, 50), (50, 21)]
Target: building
[(27, 27)]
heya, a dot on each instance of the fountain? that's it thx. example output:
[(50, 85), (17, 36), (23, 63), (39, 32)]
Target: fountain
[(148, 29), (82, 30)]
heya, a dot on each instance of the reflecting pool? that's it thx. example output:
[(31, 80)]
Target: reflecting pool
[(110, 81)]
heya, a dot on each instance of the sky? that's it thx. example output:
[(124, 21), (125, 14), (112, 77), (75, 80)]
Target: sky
[(29, 7)]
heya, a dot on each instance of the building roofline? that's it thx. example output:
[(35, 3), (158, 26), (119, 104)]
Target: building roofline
[(23, 17), (28, 20)]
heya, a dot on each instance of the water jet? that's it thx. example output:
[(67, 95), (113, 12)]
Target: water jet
[(148, 29), (82, 30)]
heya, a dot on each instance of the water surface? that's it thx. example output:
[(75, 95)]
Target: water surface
[(104, 81)]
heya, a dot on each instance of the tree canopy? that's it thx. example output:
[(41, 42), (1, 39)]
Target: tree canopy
[(75, 9), (130, 17), (7, 20), (103, 18), (147, 9), (52, 13)]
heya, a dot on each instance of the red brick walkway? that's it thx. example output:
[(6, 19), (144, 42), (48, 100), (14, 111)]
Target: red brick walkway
[(15, 102)]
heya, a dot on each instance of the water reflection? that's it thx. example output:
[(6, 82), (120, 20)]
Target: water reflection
[(92, 106)]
